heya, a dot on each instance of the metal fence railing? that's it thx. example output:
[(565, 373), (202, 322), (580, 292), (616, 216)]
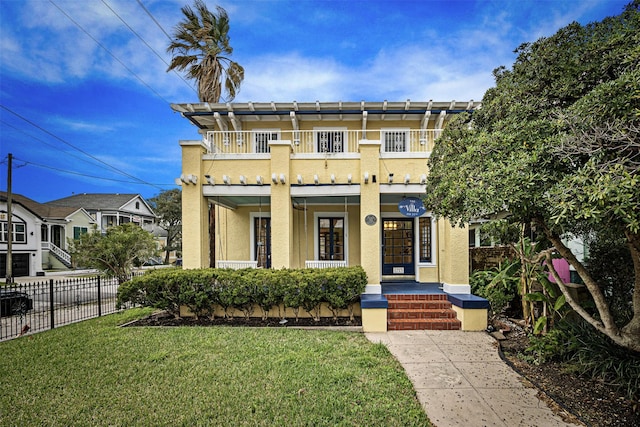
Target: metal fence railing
[(27, 308)]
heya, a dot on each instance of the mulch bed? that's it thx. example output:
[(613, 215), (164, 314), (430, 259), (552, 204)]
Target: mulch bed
[(164, 319), (594, 402)]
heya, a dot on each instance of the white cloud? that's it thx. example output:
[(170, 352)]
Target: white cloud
[(82, 126)]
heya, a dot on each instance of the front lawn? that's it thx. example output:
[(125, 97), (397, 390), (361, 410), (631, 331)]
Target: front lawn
[(95, 373)]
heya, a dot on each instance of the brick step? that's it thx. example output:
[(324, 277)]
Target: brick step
[(414, 313), (424, 324), (416, 297), (419, 305)]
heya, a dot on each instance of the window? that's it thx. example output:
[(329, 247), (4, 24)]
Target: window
[(19, 232), (79, 231), (261, 140), (137, 205), (395, 141), (262, 233), (331, 239), (425, 239), (330, 141)]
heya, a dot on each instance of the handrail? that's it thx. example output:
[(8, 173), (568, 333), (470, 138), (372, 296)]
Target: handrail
[(60, 253), (236, 265), (324, 264)]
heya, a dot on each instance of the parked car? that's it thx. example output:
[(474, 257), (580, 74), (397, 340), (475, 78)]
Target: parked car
[(14, 302)]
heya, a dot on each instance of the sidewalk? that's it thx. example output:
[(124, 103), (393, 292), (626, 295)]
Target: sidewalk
[(460, 380)]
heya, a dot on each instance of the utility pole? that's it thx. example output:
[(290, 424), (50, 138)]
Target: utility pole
[(9, 270)]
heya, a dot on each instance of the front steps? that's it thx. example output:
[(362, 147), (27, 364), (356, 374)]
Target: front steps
[(420, 312)]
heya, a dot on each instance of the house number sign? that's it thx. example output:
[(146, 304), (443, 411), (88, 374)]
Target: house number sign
[(370, 219)]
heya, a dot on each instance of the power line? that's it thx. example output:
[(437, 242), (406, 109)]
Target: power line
[(147, 44), (154, 19), (26, 162), (44, 142), (109, 52), (76, 148)]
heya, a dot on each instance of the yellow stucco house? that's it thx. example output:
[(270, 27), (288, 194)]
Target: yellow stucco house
[(323, 184)]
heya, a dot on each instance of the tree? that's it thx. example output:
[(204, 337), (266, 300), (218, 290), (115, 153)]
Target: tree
[(116, 252), (201, 46), (168, 206), (555, 146)]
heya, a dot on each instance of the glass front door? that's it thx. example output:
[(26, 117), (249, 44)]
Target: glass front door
[(397, 247)]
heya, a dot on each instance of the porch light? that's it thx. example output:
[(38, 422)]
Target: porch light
[(407, 178), (349, 179), (188, 179), (274, 178), (423, 179), (390, 178), (243, 180), (366, 177), (226, 179), (282, 179), (315, 179), (300, 179), (258, 179), (333, 179)]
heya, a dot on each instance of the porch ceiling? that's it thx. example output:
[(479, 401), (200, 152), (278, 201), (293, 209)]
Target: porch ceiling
[(234, 201)]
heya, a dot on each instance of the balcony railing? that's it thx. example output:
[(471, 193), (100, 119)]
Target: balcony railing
[(333, 142)]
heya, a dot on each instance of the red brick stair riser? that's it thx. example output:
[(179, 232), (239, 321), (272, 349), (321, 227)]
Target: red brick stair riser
[(420, 312)]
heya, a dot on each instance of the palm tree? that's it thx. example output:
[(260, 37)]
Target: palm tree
[(201, 46)]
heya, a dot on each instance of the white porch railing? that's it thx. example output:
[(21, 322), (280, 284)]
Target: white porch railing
[(60, 253), (236, 265), (325, 264), (321, 141)]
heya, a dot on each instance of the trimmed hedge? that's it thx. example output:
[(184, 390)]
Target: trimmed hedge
[(242, 290)]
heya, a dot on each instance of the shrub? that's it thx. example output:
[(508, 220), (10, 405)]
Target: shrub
[(499, 285), (200, 290), (589, 353)]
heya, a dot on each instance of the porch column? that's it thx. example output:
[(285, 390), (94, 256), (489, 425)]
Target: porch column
[(195, 212), (453, 259), (370, 250), (281, 209)]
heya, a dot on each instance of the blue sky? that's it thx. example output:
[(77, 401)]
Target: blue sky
[(84, 92)]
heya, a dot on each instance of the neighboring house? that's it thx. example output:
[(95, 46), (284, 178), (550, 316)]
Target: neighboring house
[(40, 234), (321, 184), (110, 210)]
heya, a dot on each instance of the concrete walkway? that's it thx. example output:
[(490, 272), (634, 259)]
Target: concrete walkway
[(460, 380)]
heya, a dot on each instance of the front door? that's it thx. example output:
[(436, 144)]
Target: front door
[(262, 232), (397, 247)]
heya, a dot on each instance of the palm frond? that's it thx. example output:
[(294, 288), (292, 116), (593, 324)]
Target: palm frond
[(200, 47)]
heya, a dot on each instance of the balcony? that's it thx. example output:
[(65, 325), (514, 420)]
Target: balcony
[(339, 143)]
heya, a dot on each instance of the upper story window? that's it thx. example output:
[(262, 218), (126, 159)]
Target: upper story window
[(79, 231), (137, 205), (395, 140), (19, 232), (330, 141), (261, 139)]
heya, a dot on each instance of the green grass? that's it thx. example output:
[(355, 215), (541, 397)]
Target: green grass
[(95, 373)]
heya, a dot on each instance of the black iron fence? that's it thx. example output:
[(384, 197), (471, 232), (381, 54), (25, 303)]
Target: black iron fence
[(26, 308)]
